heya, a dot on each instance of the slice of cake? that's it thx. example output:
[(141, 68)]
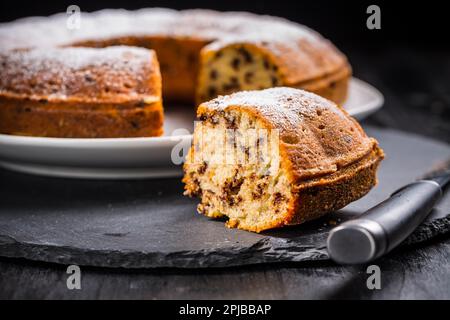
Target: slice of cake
[(81, 92), (234, 65), (276, 157)]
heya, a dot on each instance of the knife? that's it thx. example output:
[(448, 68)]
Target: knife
[(383, 227)]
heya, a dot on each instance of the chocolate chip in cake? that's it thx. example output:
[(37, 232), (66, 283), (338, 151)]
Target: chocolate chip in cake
[(213, 74), (260, 141), (333, 84), (232, 187), (234, 82), (43, 101), (259, 191), (248, 77), (277, 198), (236, 63), (274, 81), (256, 195), (212, 91), (229, 87), (202, 168), (233, 200), (230, 122), (247, 56), (247, 152), (196, 191)]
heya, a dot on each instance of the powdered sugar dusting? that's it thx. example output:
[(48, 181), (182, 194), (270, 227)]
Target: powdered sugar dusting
[(282, 105), (76, 58), (71, 71), (302, 53), (36, 31)]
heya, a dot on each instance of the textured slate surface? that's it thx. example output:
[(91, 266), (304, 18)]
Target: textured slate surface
[(146, 224)]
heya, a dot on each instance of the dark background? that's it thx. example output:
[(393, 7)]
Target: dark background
[(344, 22), (408, 60)]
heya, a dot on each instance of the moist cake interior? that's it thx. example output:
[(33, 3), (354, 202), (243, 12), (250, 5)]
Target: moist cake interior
[(234, 166), (235, 68)]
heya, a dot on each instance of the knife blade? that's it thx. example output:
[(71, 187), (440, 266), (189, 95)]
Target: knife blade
[(386, 225)]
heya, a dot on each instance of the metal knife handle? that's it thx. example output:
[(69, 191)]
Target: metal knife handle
[(383, 227)]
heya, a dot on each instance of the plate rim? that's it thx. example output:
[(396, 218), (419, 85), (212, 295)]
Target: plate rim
[(93, 173), (372, 106)]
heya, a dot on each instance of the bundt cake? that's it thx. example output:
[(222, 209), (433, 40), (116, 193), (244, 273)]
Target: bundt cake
[(277, 157), (80, 92), (202, 53)]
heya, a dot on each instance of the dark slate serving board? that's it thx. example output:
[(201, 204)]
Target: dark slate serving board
[(148, 223)]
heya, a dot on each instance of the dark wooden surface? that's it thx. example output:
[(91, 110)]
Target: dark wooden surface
[(416, 86)]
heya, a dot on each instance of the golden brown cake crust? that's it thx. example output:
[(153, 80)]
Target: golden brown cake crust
[(114, 74), (322, 195), (80, 92), (73, 119), (304, 58), (328, 158)]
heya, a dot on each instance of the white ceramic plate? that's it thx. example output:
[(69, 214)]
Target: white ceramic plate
[(132, 158)]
